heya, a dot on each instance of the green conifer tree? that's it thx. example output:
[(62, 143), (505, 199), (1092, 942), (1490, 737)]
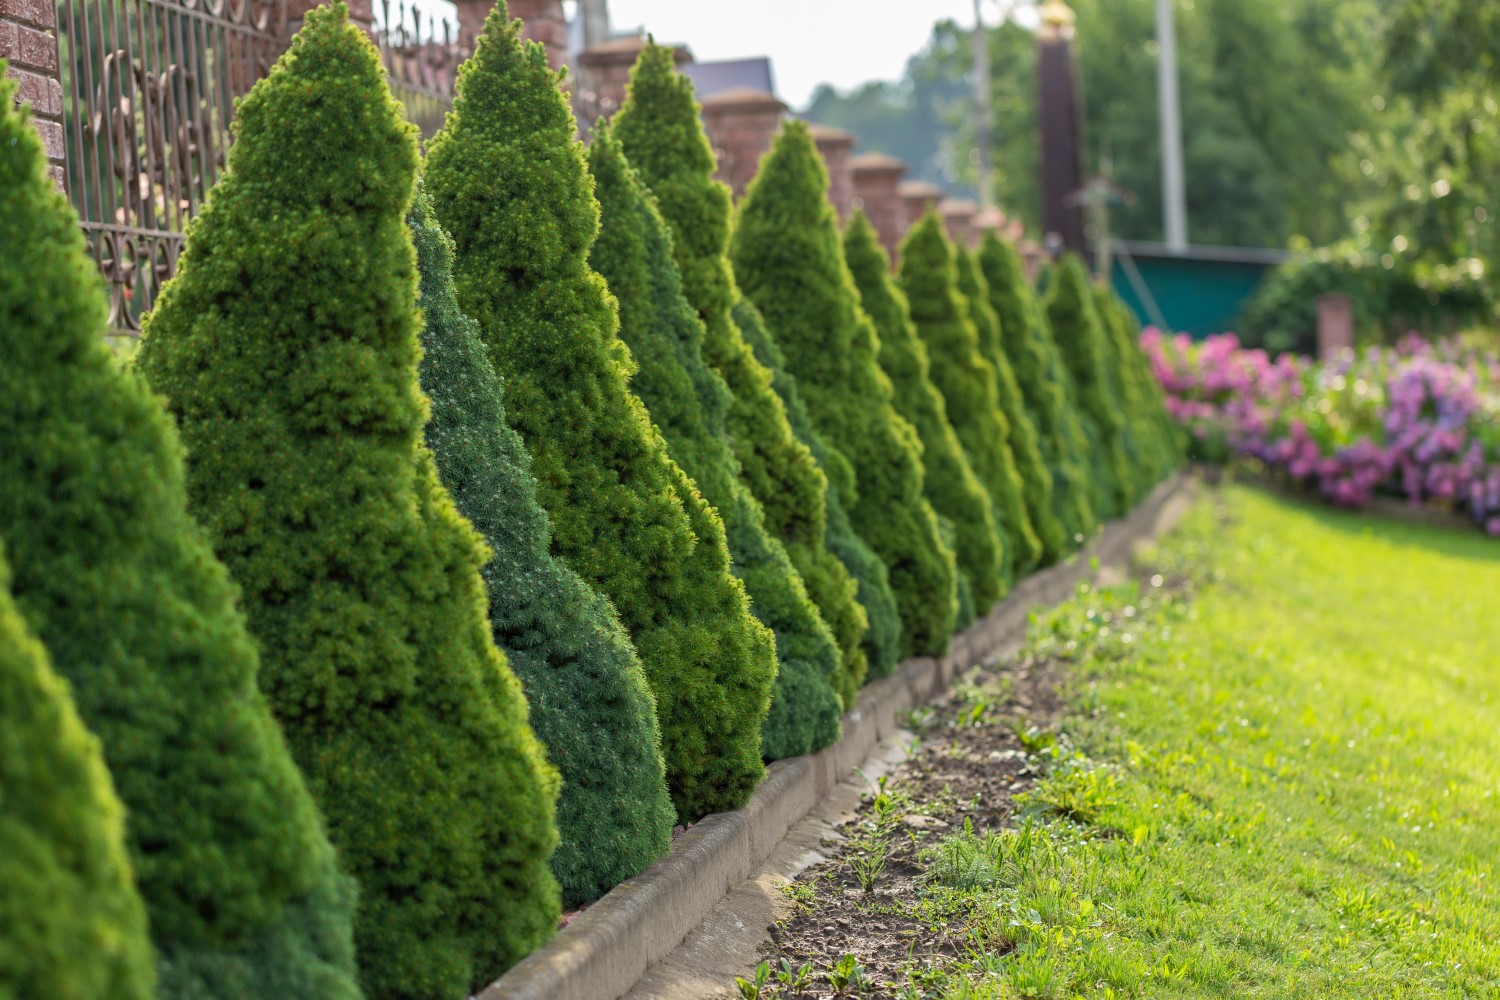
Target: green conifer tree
[(1036, 478), (875, 598), (1080, 340), (660, 130), (1151, 429), (789, 258), (509, 183), (74, 925), (591, 705), (1039, 372), (955, 492), (287, 348), (690, 404), (939, 312), (108, 570)]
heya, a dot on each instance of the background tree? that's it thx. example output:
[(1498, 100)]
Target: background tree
[(662, 134), (690, 404), (287, 348), (591, 705), (950, 484), (881, 642), (1036, 479), (939, 313), (1040, 373), (790, 262), (1079, 336), (109, 572), (74, 924), (624, 516)]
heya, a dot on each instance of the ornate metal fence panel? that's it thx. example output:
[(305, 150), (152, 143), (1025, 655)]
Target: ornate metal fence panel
[(422, 52), (149, 89)]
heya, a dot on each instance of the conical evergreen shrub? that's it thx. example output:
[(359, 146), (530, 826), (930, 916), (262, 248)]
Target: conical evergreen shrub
[(1151, 428), (109, 572), (1080, 340), (74, 925), (690, 404), (287, 348), (789, 259), (590, 702), (663, 138), (1042, 380), (1036, 478), (509, 183), (939, 312), (955, 492), (875, 613)]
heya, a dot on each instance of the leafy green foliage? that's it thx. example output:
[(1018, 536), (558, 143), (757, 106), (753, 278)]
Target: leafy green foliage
[(590, 702), (939, 313), (875, 600), (1080, 339), (1156, 447), (1036, 478), (509, 183), (950, 484), (663, 137), (74, 924), (690, 404), (1043, 380), (287, 348), (109, 572), (789, 259)]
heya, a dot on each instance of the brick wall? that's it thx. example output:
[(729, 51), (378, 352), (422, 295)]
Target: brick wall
[(877, 184), (958, 219), (837, 148), (28, 44), (741, 124), (920, 197), (603, 71)]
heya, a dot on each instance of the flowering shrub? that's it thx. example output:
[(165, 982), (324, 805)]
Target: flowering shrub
[(1419, 420)]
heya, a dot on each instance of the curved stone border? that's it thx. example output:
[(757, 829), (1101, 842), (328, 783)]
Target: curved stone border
[(603, 951)]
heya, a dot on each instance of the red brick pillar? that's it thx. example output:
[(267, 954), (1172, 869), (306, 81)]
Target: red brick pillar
[(603, 71), (919, 197), (958, 219), (361, 12), (1032, 256), (1335, 325), (741, 123), (836, 147), (543, 21), (28, 44), (877, 193), (471, 15)]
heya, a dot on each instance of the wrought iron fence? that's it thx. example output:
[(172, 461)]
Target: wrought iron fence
[(149, 88)]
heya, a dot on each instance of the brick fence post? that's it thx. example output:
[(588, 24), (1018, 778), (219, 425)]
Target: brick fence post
[(877, 192), (920, 197), (741, 123), (603, 71), (959, 220), (543, 21), (28, 44), (1335, 325), (836, 147)]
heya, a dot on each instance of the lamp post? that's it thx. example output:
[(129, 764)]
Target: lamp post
[(1174, 192)]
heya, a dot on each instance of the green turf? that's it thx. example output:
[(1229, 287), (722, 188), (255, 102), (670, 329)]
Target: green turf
[(1281, 780)]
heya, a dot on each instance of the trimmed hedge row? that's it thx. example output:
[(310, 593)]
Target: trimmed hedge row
[(503, 543)]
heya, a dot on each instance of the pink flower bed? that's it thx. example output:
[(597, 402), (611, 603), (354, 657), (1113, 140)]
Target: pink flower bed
[(1418, 421)]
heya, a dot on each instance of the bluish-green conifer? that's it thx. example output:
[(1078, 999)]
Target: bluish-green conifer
[(1036, 478), (663, 137), (690, 403), (509, 182), (789, 258), (108, 570), (955, 492), (287, 348), (74, 927), (591, 705), (939, 312), (1043, 382)]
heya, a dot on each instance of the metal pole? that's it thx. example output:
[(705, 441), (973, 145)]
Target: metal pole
[(983, 127), (1173, 189)]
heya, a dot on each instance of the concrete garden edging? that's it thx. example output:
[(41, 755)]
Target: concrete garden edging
[(606, 949)]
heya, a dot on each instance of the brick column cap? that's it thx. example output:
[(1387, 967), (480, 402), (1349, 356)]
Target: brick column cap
[(829, 137), (987, 219), (959, 208), (873, 164), (625, 51), (921, 189), (737, 99)]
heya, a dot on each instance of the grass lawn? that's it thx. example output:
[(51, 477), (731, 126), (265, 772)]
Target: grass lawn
[(1280, 776)]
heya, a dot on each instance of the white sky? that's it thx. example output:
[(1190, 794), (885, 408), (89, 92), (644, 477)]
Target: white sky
[(842, 42)]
